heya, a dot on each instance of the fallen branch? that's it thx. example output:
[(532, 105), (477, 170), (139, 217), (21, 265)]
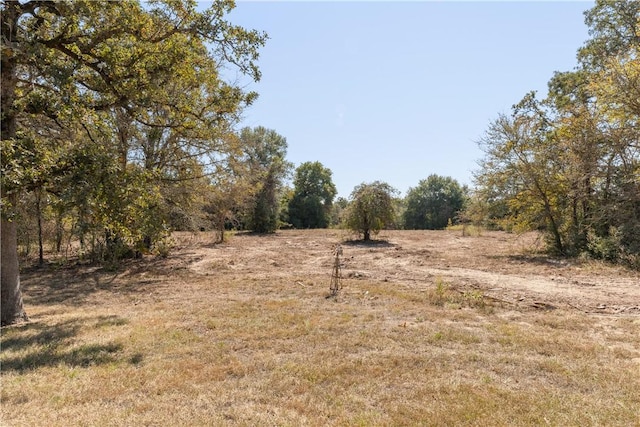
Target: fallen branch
[(578, 308), (499, 299), (543, 305)]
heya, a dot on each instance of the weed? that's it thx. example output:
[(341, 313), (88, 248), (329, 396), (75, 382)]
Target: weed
[(445, 295)]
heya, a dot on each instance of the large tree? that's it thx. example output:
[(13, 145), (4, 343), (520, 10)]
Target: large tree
[(570, 163), (82, 67), (371, 208), (433, 203), (265, 152), (520, 163), (313, 194)]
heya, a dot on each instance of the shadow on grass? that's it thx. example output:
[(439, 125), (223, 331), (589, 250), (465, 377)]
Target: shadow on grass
[(74, 283), (369, 243), (41, 345), (239, 234), (67, 284)]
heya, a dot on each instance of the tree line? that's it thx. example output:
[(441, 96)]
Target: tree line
[(116, 120), (260, 192), (118, 128), (569, 164)]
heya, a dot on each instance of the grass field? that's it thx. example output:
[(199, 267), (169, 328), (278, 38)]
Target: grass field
[(430, 328)]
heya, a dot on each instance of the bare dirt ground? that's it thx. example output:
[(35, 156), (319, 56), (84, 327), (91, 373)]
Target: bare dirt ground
[(507, 268)]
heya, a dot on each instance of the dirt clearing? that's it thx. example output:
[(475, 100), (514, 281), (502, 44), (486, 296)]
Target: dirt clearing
[(504, 266)]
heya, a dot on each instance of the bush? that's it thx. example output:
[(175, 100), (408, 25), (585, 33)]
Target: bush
[(606, 247)]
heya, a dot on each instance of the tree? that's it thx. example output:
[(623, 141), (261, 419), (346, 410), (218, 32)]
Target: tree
[(338, 211), (228, 195), (522, 164), (265, 152), (285, 197), (371, 208), (310, 206), (75, 65), (569, 164), (433, 203), (614, 28)]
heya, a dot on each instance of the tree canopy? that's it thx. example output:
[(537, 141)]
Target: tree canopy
[(371, 208), (433, 203), (313, 193), (110, 107), (265, 155), (570, 163)]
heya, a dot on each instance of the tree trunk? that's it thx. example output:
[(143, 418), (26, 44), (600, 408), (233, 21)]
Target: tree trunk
[(11, 307), (221, 231), (39, 215), (367, 235), (11, 310), (59, 233), (555, 231)]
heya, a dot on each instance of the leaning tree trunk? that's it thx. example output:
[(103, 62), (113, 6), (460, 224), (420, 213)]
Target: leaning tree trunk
[(10, 296)]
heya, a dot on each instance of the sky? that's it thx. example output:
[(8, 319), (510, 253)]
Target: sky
[(397, 91)]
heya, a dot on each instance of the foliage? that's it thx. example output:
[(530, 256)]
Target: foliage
[(286, 194), (140, 82), (517, 166), (485, 209), (605, 247), (399, 209), (433, 203), (445, 295), (371, 208), (338, 211), (569, 164), (312, 200), (133, 88), (613, 27), (265, 151)]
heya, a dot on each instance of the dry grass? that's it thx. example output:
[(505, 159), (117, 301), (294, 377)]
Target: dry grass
[(160, 343), (467, 230)]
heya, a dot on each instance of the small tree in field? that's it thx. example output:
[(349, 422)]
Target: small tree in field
[(371, 208)]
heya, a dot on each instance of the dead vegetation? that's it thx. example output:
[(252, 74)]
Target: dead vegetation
[(429, 328)]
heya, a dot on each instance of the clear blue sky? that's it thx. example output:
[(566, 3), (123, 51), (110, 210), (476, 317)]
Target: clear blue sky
[(395, 91)]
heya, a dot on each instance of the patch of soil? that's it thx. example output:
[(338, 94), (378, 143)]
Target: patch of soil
[(507, 268)]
